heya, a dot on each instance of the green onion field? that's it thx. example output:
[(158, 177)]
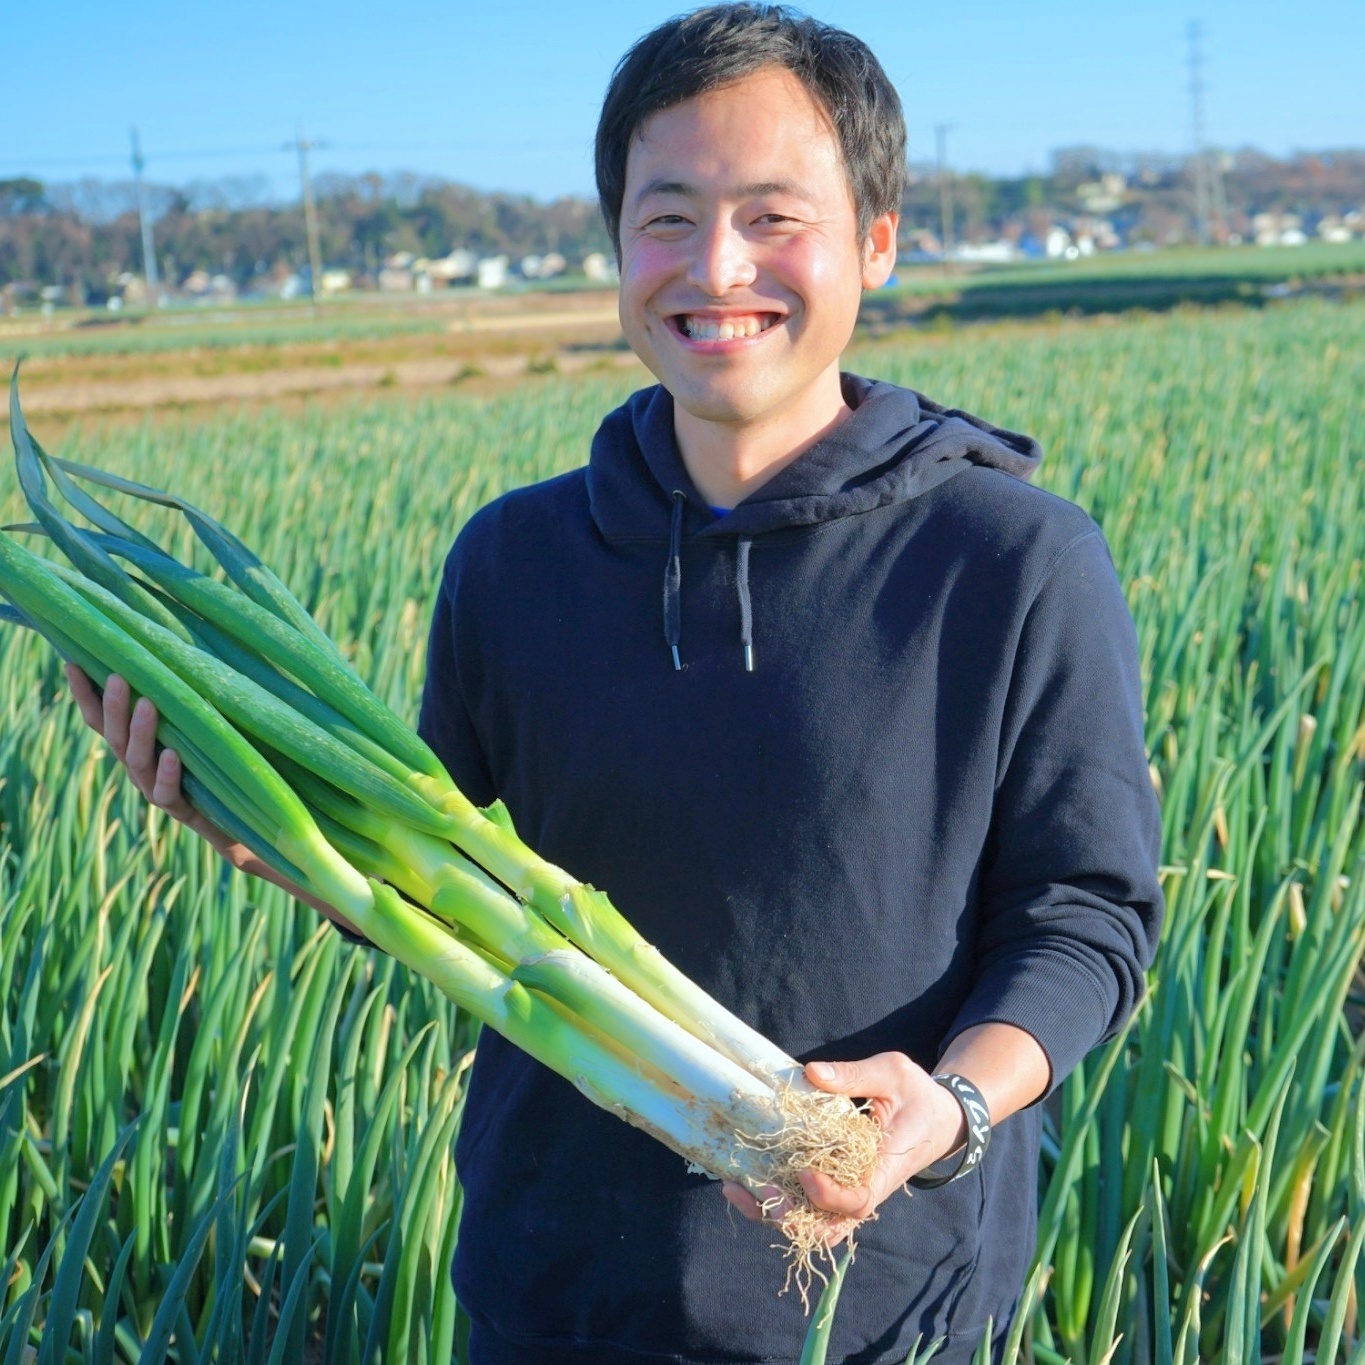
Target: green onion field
[(225, 1133)]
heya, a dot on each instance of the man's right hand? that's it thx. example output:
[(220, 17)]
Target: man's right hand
[(130, 731)]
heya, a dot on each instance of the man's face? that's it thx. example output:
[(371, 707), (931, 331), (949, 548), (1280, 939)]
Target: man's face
[(741, 266)]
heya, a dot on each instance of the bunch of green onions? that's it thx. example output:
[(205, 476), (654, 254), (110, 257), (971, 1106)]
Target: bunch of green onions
[(285, 749)]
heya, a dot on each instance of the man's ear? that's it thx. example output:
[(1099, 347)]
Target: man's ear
[(879, 250)]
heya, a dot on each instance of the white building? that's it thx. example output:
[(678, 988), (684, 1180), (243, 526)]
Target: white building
[(492, 272), (599, 269), (1058, 244)]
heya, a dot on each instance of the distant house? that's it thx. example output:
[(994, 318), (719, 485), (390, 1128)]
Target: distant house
[(15, 296), (599, 269), (131, 289), (1057, 245), (544, 267), (198, 285), (1093, 233), (458, 265), (1103, 195), (395, 279), (1334, 229), (987, 253), (1278, 229), (492, 272)]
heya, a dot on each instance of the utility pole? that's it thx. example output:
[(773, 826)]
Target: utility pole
[(310, 214), (945, 193), (148, 250), (1202, 195), (1219, 195)]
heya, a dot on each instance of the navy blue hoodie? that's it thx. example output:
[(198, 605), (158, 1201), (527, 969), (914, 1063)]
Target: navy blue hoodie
[(864, 757)]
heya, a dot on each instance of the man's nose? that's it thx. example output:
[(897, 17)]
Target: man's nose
[(722, 260)]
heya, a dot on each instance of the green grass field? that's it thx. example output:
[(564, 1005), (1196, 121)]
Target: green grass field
[(226, 1135), (1315, 260), (1111, 281), (213, 329), (1114, 282)]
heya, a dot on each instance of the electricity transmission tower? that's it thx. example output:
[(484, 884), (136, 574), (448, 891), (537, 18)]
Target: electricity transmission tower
[(1208, 188), (148, 250)]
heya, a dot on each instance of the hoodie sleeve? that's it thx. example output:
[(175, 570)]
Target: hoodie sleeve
[(444, 719), (444, 722), (1071, 908)]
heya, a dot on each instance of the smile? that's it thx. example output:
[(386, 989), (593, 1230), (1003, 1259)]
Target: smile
[(737, 327)]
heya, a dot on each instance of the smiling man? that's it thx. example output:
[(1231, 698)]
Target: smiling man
[(842, 711), (740, 294)]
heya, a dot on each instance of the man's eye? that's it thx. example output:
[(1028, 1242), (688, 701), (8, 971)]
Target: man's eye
[(774, 218), (666, 220)]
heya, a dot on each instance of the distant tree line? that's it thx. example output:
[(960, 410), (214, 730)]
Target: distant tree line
[(1157, 202), (82, 236)]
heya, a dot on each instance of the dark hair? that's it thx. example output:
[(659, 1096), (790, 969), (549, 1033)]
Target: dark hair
[(715, 46)]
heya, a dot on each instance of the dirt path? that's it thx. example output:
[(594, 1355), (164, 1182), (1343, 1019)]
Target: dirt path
[(533, 322), (477, 342), (262, 386)]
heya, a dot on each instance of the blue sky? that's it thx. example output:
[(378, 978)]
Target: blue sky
[(504, 95)]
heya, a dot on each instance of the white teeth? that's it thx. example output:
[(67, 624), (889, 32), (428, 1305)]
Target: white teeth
[(708, 329)]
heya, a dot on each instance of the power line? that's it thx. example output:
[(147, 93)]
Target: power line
[(205, 154), (103, 158)]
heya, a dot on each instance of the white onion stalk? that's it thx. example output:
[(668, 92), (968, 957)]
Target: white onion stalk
[(286, 749)]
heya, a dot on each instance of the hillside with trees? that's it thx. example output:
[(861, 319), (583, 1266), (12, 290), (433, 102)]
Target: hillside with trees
[(80, 238)]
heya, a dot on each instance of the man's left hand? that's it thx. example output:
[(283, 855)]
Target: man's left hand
[(920, 1121)]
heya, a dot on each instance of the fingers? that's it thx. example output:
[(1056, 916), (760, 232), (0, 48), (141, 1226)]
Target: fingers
[(773, 1207), (118, 700), (130, 731), (768, 1206), (87, 698), (739, 1198), (884, 1076), (139, 755), (166, 792), (826, 1193)]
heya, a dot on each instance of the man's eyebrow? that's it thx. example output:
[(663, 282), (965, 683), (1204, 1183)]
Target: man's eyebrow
[(762, 187), (661, 186), (759, 187)]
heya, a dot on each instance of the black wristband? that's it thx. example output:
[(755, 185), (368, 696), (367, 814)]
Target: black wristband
[(978, 1131)]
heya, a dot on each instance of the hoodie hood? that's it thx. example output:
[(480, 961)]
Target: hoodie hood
[(895, 445)]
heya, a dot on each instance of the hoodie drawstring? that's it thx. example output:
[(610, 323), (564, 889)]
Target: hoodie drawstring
[(673, 580), (673, 589), (746, 610)]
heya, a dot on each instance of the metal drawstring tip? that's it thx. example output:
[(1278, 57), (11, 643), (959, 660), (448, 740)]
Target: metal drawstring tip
[(677, 662), (748, 658)]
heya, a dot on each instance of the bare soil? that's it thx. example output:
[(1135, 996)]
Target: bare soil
[(476, 344)]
